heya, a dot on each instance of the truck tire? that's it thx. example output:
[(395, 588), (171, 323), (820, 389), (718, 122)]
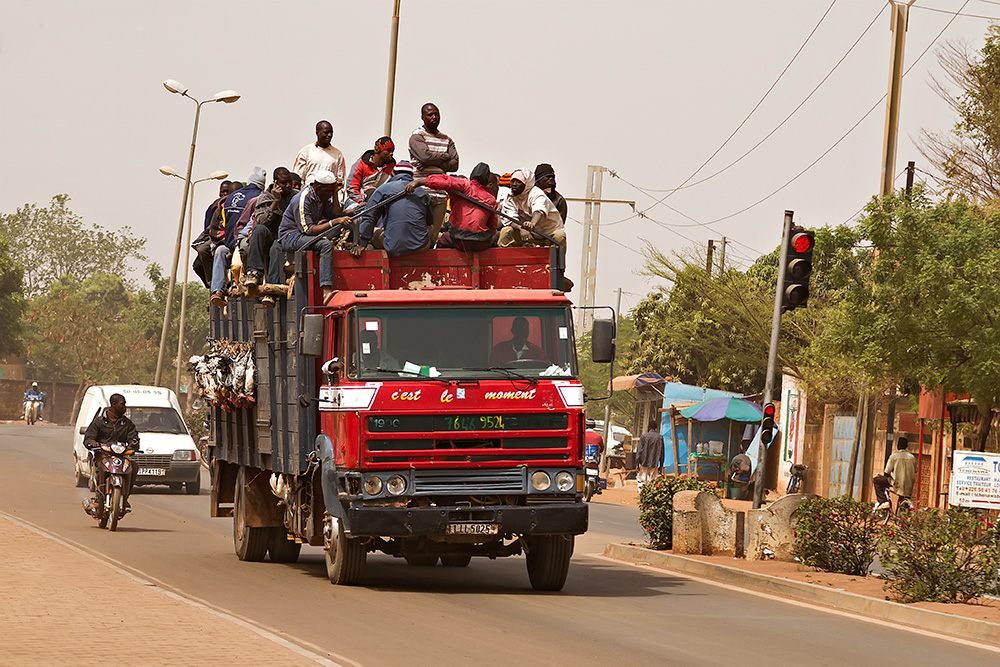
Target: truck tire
[(193, 488), (548, 561), (251, 542), (345, 560), (421, 561), (456, 561), (282, 549)]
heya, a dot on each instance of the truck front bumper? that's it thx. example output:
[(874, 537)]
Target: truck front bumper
[(561, 519)]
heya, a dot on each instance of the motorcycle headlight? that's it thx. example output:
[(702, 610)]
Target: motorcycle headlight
[(540, 480), (373, 485), (565, 481), (118, 448), (396, 485)]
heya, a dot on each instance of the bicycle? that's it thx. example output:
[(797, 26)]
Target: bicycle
[(884, 509)]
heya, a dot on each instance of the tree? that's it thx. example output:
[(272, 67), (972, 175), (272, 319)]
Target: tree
[(53, 243), (12, 302), (595, 376), (969, 156)]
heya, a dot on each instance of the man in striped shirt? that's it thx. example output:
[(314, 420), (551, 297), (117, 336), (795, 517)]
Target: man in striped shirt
[(433, 152)]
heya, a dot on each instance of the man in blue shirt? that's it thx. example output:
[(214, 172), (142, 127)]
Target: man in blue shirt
[(314, 210), (400, 227), (232, 209)]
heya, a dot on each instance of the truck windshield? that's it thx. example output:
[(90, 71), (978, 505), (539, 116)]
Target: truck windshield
[(156, 420), (462, 342)]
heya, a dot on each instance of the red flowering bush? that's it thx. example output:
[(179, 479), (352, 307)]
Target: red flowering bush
[(941, 556), (656, 506), (836, 535)]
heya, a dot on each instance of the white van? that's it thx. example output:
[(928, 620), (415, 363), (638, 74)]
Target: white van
[(169, 453)]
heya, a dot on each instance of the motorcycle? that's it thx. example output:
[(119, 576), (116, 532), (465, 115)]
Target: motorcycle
[(109, 466), (591, 472), (32, 410)]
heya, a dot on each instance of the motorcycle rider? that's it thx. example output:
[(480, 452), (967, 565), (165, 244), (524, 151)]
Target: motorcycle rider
[(592, 437), (33, 394), (111, 425)]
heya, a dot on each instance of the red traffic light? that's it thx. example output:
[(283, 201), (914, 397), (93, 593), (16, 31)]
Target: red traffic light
[(802, 243), (769, 410)]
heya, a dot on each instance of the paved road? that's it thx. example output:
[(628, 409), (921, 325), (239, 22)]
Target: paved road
[(485, 614)]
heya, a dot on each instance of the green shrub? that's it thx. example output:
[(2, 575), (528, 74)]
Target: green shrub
[(941, 556), (836, 535), (656, 506)]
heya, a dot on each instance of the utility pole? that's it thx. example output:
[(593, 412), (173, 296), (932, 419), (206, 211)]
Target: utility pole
[(708, 257), (911, 167), (390, 87), (591, 236), (772, 354), (722, 256), (898, 20), (607, 405)]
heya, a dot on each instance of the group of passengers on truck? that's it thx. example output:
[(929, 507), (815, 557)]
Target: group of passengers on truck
[(400, 207)]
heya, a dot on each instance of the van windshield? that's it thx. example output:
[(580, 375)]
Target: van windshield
[(156, 420)]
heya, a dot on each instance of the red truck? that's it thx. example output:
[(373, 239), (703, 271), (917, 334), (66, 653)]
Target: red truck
[(431, 409)]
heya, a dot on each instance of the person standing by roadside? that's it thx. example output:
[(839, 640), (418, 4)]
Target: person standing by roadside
[(433, 152), (649, 455), (320, 156), (902, 469)]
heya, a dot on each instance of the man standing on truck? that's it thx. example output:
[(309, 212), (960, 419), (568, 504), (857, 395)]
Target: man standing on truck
[(433, 152), (472, 227), (320, 156), (403, 221), (111, 425), (312, 212)]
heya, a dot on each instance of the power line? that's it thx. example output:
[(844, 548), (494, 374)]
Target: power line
[(686, 185), (959, 12)]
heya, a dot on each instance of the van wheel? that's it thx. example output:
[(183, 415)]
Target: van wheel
[(81, 479), (193, 488), (250, 542)]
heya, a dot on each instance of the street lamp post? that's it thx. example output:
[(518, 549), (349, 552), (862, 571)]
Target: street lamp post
[(227, 96), (214, 176)]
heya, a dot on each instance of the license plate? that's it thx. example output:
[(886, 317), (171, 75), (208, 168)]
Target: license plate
[(152, 472), (472, 529)]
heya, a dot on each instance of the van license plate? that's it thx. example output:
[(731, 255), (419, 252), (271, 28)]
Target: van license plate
[(152, 472), (472, 529)]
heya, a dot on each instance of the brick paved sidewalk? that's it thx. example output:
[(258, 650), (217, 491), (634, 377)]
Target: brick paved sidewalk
[(48, 613)]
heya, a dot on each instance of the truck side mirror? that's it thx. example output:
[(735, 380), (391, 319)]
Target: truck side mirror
[(311, 335), (602, 341)]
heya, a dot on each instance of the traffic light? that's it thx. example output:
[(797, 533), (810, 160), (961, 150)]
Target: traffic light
[(767, 424), (798, 267)]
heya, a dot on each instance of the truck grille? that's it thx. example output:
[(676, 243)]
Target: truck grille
[(469, 481), (153, 460)]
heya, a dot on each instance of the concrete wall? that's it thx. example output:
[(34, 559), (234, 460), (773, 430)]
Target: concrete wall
[(703, 525), (771, 529)]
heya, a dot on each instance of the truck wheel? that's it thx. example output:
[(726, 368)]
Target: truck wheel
[(548, 561), (81, 479), (456, 561), (282, 549), (345, 559), (421, 561), (251, 543), (193, 488)]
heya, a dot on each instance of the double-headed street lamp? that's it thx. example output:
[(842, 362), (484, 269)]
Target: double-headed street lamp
[(214, 176), (227, 96)]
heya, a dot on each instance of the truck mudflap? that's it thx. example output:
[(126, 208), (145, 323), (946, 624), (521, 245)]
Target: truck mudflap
[(444, 522)]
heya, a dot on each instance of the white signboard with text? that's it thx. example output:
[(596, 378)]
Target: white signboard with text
[(975, 480)]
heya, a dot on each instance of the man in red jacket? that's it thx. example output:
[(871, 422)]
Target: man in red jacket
[(371, 170), (472, 226)]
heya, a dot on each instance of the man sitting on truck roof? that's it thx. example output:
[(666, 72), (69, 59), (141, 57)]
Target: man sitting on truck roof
[(372, 169), (403, 217), (312, 212), (270, 208), (320, 156), (224, 234), (472, 227), (518, 347), (532, 207)]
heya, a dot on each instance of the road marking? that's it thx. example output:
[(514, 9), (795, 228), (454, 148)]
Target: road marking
[(807, 605), (294, 644)]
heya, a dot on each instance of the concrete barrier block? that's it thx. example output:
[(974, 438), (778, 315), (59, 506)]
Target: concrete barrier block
[(703, 525), (772, 529)]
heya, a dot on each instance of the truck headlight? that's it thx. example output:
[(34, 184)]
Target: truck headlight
[(396, 485), (565, 481), (373, 485), (540, 480)]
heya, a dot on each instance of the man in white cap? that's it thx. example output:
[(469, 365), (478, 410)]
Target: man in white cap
[(320, 156), (401, 226), (313, 211), (535, 212), (225, 238)]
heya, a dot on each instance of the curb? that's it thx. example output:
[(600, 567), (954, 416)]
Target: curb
[(968, 629)]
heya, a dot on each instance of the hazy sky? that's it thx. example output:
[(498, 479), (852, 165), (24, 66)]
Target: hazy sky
[(649, 89)]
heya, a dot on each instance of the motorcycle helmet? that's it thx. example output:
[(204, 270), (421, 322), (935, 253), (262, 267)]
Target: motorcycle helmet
[(34, 385)]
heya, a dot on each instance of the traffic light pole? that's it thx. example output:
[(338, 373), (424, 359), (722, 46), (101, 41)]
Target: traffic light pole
[(772, 355)]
